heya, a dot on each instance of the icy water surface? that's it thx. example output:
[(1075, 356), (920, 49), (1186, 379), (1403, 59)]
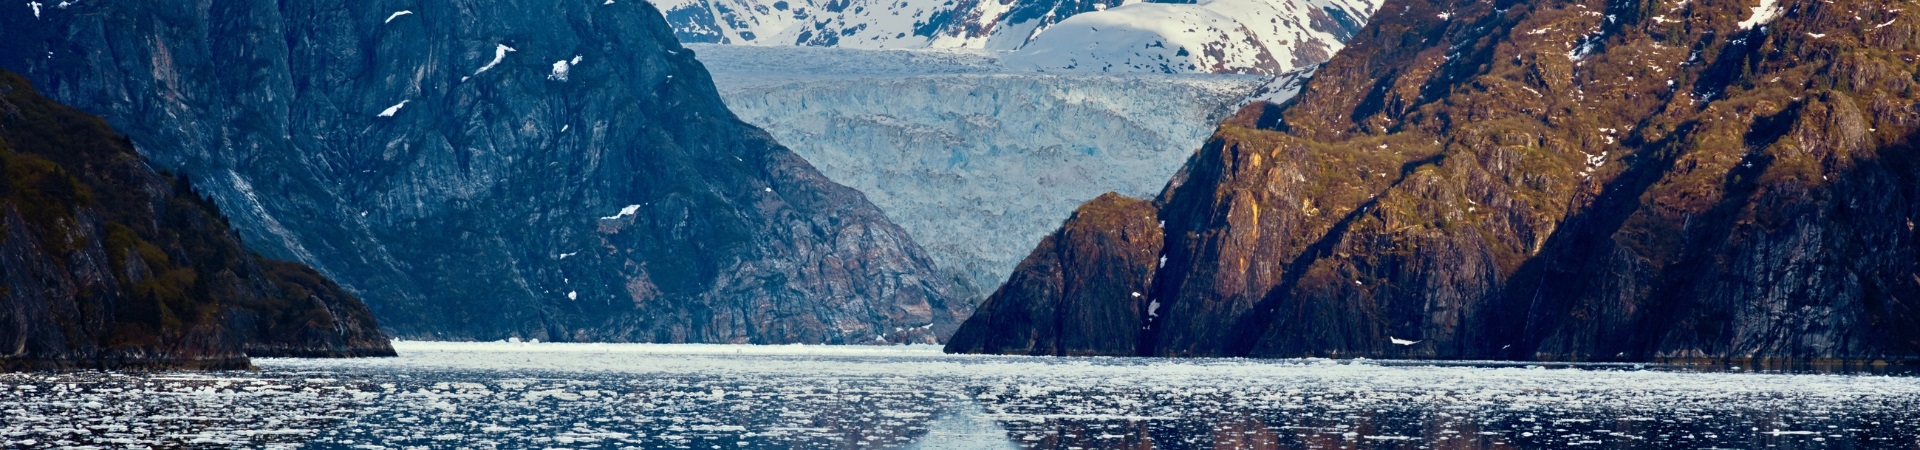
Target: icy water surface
[(440, 395)]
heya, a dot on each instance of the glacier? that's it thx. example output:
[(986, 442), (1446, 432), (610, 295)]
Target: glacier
[(975, 160)]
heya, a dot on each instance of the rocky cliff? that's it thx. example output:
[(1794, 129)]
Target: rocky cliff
[(481, 170), (107, 264), (1562, 180)]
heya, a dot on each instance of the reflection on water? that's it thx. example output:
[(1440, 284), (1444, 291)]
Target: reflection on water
[(727, 397)]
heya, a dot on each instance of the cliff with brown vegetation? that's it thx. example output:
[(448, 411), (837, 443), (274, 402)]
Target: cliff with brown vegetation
[(108, 264), (1586, 180)]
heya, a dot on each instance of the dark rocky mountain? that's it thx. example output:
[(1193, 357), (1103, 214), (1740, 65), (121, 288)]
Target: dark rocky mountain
[(479, 170), (1585, 180), (107, 264)]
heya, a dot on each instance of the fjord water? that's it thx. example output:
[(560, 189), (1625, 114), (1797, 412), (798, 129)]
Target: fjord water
[(500, 395)]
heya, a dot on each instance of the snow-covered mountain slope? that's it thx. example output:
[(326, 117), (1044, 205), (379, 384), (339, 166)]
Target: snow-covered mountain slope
[(1217, 36), (1221, 36), (976, 162)]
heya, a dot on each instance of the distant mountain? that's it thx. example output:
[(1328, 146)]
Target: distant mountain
[(1582, 180), (554, 170), (1211, 36), (107, 264), (1269, 37)]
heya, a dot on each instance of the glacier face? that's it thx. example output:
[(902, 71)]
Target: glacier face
[(975, 161)]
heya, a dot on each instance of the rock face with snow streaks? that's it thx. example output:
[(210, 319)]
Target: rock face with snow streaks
[(480, 170), (107, 264), (1567, 180)]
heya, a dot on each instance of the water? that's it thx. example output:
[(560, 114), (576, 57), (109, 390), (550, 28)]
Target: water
[(738, 397)]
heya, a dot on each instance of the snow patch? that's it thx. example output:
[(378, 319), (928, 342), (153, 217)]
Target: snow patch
[(395, 109), (499, 54), (1285, 87), (1762, 15), (627, 211)]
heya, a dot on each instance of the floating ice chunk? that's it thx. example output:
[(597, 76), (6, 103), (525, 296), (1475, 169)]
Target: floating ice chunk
[(560, 70), (627, 211), (36, 9), (568, 255), (1153, 309), (499, 54), (391, 110), (1762, 15), (573, 295), (396, 16), (1401, 342), (1136, 295), (1446, 16)]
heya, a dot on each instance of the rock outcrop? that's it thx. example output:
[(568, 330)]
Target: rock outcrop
[(1580, 180), (549, 170), (107, 264), (1087, 281)]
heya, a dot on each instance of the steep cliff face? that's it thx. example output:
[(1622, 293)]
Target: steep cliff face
[(479, 170), (1088, 281), (1564, 180), (106, 264)]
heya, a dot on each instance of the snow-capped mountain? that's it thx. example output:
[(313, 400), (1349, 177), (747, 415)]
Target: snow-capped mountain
[(986, 24), (1219, 36)]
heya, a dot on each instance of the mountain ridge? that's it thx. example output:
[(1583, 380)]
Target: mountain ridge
[(1122, 36), (478, 173), (1566, 181)]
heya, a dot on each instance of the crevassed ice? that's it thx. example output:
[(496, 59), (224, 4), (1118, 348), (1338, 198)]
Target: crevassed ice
[(975, 160)]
